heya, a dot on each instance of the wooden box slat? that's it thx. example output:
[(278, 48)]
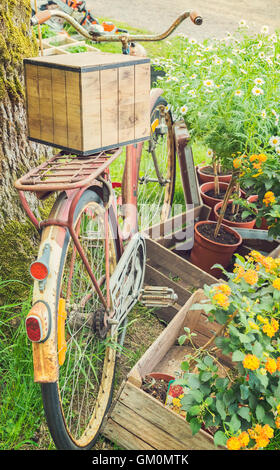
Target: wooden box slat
[(88, 102), (137, 421)]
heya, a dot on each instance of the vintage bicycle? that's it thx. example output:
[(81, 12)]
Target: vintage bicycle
[(90, 267)]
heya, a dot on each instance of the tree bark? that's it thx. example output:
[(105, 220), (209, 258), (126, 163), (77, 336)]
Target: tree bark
[(17, 154)]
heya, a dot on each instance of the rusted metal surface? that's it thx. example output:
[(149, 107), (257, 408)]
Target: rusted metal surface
[(65, 172)]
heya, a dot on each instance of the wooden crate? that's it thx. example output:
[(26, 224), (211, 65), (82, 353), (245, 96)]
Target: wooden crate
[(89, 101), (137, 421)]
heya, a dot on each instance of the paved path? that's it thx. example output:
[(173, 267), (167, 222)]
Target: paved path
[(219, 16)]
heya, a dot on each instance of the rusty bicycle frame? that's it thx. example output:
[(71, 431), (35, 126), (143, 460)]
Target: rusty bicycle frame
[(74, 174)]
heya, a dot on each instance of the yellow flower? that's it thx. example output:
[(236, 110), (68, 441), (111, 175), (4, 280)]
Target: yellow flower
[(275, 324), (224, 288), (269, 198), (176, 402), (268, 330), (244, 439), (233, 443), (262, 319), (262, 441), (276, 283), (237, 163), (253, 325), (251, 362), (221, 299), (251, 277), (271, 365), (262, 157), (269, 263), (267, 431), (277, 422), (278, 368), (256, 256)]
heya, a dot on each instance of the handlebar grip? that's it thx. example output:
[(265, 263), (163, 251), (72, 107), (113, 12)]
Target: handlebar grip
[(196, 18), (40, 17)]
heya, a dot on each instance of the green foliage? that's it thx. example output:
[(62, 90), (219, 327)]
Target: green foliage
[(226, 90), (242, 402)]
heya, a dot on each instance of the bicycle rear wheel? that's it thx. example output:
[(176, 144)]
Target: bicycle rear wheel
[(157, 170), (76, 405)]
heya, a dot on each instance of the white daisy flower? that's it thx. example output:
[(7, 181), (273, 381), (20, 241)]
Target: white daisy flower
[(265, 29), (263, 113), (261, 55), (184, 109), (217, 61), (243, 71), (230, 61), (238, 93), (242, 24), (277, 150), (192, 93), (259, 45), (208, 83), (259, 81), (209, 153), (197, 62), (193, 76), (257, 91), (274, 141), (192, 41)]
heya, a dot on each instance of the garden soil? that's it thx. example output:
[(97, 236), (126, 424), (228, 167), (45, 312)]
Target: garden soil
[(220, 16)]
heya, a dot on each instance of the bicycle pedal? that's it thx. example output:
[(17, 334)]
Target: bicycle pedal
[(154, 296)]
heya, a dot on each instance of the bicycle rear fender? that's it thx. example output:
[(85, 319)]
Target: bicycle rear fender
[(45, 355)]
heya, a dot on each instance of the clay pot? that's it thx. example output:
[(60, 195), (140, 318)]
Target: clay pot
[(205, 178), (209, 200), (161, 376), (230, 223), (206, 253)]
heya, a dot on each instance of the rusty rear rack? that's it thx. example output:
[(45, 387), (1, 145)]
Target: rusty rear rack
[(65, 172)]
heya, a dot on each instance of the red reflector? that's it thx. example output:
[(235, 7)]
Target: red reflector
[(38, 270), (33, 328)]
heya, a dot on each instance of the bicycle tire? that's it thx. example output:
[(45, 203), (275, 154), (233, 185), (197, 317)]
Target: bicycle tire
[(60, 403), (153, 198)]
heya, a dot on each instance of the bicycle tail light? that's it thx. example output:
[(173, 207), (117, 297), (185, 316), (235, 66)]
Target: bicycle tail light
[(38, 322), (39, 270)]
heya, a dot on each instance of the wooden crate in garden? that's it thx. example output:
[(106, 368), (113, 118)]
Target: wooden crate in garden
[(89, 101), (138, 421)]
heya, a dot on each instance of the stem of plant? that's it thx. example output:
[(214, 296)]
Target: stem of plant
[(229, 190)]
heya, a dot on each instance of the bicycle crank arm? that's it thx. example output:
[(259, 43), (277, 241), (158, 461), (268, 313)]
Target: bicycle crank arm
[(154, 296)]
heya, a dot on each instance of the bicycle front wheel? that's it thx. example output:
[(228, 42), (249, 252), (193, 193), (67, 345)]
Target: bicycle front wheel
[(157, 170), (76, 405)]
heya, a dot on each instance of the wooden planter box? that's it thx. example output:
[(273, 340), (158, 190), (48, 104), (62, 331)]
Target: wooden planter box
[(87, 102), (137, 421)]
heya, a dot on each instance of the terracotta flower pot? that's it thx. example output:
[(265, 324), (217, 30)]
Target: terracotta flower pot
[(206, 252), (211, 201), (206, 178), (161, 376), (230, 223)]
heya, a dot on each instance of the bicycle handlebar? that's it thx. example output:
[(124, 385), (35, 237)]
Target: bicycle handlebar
[(96, 35)]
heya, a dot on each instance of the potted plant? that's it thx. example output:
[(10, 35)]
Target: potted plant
[(243, 403), (214, 242), (239, 213)]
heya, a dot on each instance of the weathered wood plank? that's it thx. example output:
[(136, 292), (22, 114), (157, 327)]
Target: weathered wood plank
[(159, 255), (158, 418), (122, 437)]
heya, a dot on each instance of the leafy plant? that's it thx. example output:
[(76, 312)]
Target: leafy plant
[(241, 403), (227, 91)]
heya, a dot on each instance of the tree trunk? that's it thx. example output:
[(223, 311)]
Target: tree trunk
[(17, 155)]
